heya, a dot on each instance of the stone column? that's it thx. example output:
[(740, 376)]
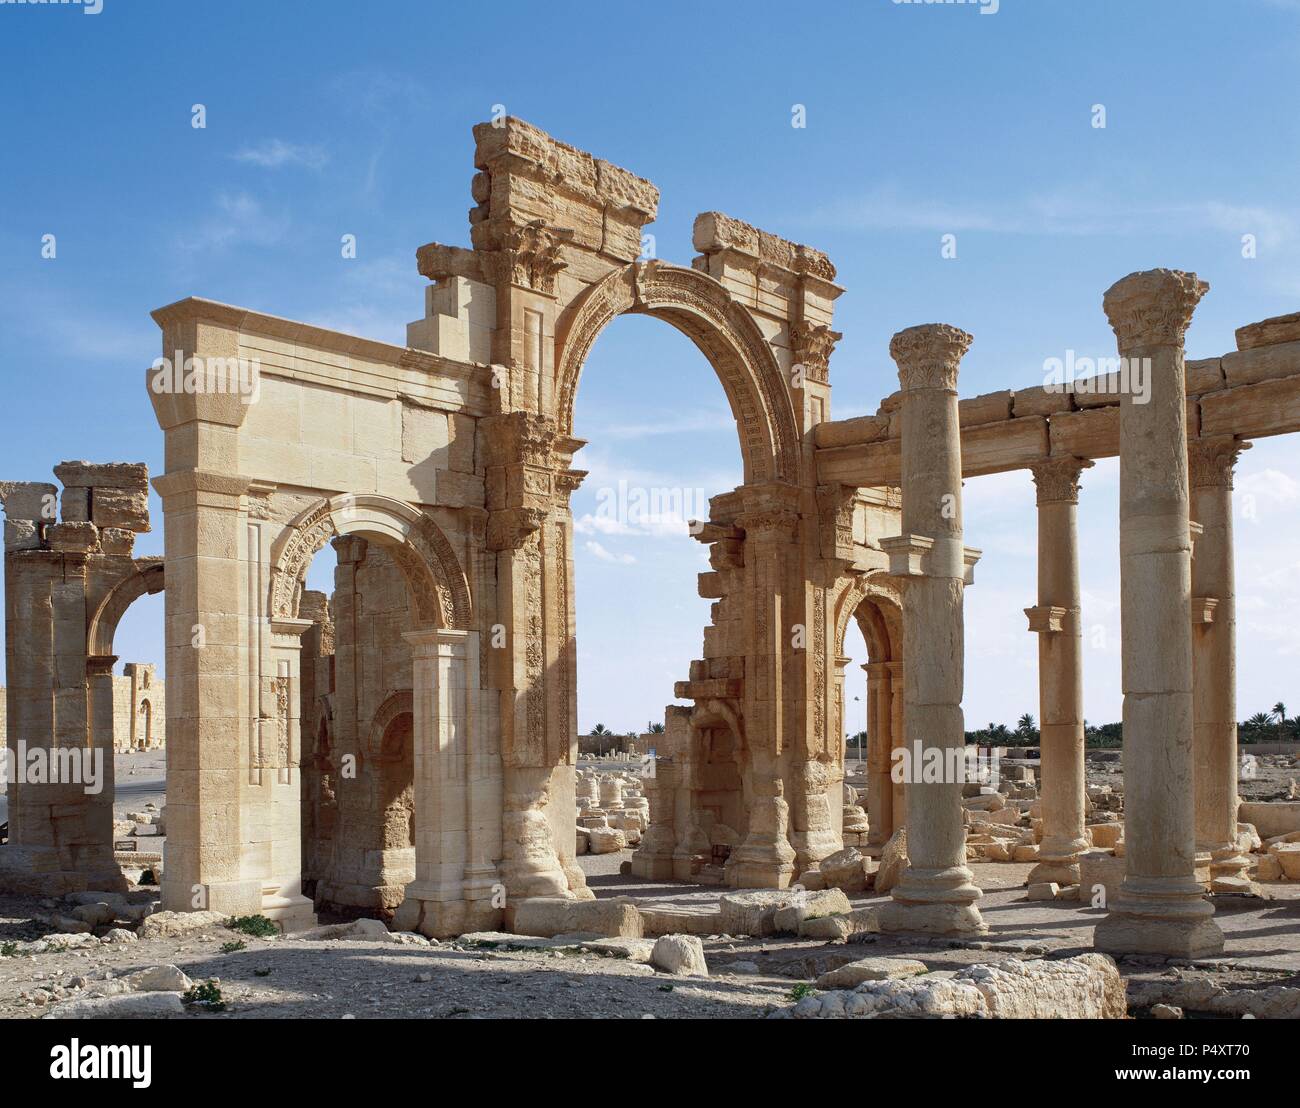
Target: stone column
[(937, 893), (880, 790), (1214, 663), (1060, 671), (1160, 908), (897, 740)]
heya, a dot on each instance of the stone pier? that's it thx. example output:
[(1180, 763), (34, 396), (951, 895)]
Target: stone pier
[(1060, 671), (937, 893), (1160, 908)]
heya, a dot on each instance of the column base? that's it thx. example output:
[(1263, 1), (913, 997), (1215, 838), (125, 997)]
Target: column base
[(653, 867), (934, 902), (444, 919), (759, 875), (1230, 872), (1167, 916)]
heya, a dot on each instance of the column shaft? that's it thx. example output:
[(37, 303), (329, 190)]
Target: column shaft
[(936, 894), (1159, 908), (1060, 672), (1214, 664)]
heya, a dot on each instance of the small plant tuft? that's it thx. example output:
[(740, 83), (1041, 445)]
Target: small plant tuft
[(206, 995), (800, 991), (234, 946), (258, 926)]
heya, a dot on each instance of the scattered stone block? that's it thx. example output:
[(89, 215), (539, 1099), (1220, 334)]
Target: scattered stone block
[(870, 969), (681, 955)]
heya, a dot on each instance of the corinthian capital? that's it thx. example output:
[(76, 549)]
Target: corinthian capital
[(1153, 307), (928, 355), (1210, 462), (1057, 479)]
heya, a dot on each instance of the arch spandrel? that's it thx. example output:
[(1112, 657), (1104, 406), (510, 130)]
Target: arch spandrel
[(422, 552), (725, 333), (146, 579), (882, 628)]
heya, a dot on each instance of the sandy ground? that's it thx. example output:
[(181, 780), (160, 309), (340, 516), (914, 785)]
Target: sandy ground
[(293, 978)]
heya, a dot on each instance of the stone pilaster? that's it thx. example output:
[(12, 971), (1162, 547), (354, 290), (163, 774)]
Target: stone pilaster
[(1160, 908), (937, 893), (1214, 663), (1056, 620)]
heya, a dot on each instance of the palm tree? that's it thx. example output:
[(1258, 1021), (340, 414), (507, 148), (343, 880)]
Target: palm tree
[(1025, 727), (1279, 710), (655, 729), (599, 732)]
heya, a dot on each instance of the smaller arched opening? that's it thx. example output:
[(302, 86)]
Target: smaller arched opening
[(720, 786), (873, 715), (395, 576)]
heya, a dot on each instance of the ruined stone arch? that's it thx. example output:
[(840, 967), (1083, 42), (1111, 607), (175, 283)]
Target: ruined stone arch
[(725, 333), (147, 579), (398, 703), (433, 572), (875, 602)]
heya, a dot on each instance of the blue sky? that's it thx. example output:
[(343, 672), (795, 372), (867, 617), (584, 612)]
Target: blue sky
[(325, 119)]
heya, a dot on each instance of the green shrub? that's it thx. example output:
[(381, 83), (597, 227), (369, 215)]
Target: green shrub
[(206, 996), (234, 946), (258, 926)]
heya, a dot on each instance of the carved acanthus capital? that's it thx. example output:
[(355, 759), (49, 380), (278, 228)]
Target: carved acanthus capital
[(1210, 462), (1152, 307), (928, 356), (835, 506), (567, 482), (812, 344), (770, 525), (509, 528), (530, 256), (1057, 479)]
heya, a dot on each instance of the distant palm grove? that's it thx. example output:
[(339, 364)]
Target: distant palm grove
[(1262, 727)]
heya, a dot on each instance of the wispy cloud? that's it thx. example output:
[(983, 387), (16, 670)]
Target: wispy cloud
[(1070, 211), (596, 550), (237, 217), (276, 154)]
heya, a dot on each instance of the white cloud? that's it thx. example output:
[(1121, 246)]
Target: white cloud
[(238, 217), (596, 550), (276, 153)]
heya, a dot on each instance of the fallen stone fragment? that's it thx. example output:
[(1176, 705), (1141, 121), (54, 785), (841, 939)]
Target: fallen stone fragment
[(127, 1006), (172, 925), (682, 955), (158, 979), (870, 969)]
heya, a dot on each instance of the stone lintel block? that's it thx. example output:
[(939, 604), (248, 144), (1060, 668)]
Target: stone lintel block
[(708, 690), (711, 586), (850, 432), (1203, 609), (992, 407), (1204, 375), (113, 475), (1264, 363), (127, 509), (1046, 618), (74, 505), (1040, 401), (73, 538), (1269, 332), (29, 500), (116, 541), (22, 534)]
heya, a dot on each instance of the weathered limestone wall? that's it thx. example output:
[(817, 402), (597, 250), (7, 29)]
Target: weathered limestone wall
[(69, 576)]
